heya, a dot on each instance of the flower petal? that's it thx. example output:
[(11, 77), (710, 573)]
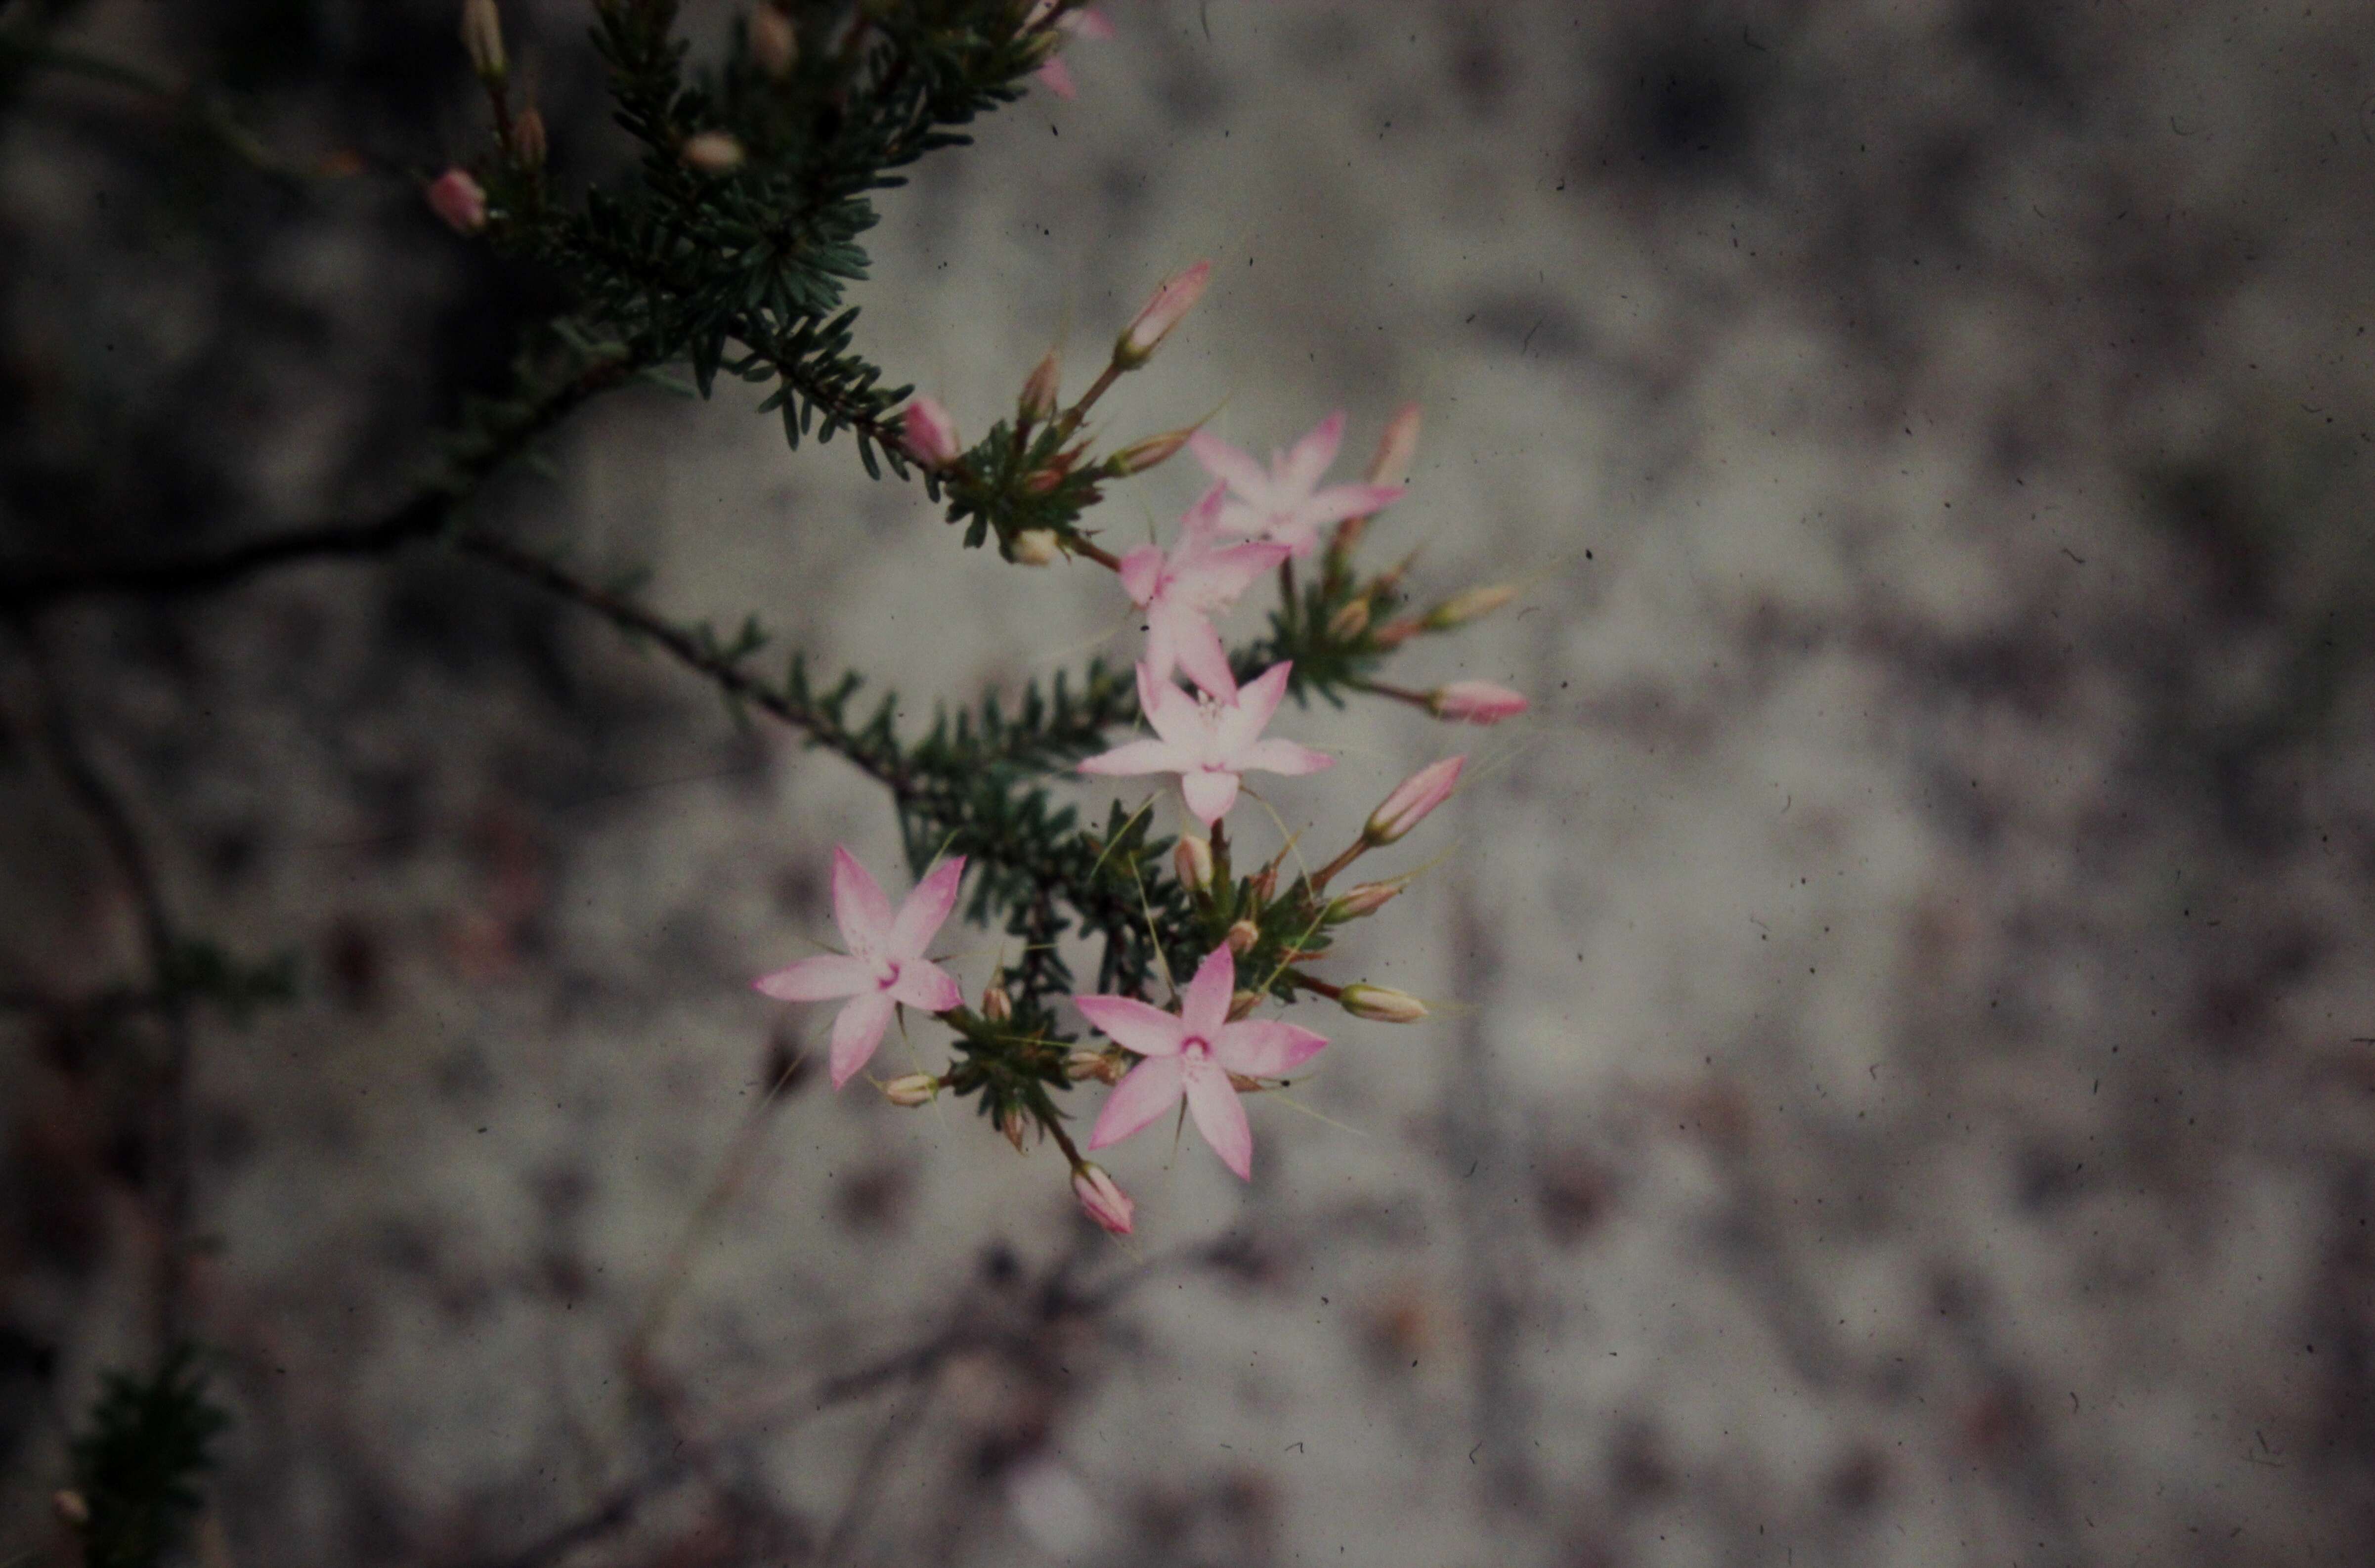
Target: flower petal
[(1201, 522), (858, 906), (1142, 570), (1209, 794), (1233, 465), (1276, 756), (857, 1032), (1300, 469), (1057, 76), (1219, 1116), (1239, 725), (1204, 1007), (1172, 712), (1214, 581), (1133, 757), (1338, 501), (1196, 647), (925, 986), (817, 979), (1128, 1022), (1145, 1092), (925, 911), (1266, 1047)]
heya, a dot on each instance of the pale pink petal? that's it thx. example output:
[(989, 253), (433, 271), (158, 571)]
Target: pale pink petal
[(1197, 649), (1338, 501), (1233, 466), (1239, 725), (857, 1032), (925, 911), (1058, 77), (1089, 24), (925, 986), (1134, 756), (1213, 582), (1161, 655), (1142, 570), (1204, 1007), (1172, 712), (1147, 1092), (858, 906), (1133, 1025), (1308, 459), (1210, 796), (1266, 1047), (1219, 1116), (817, 979), (1201, 521), (1280, 757)]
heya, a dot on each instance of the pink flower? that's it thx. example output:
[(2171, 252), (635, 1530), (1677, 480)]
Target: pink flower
[(1412, 799), (459, 200), (1208, 743), (1081, 24), (885, 965), (1101, 1199), (1178, 591), (929, 433), (1286, 504), (1475, 702), (1173, 298), (1193, 1052)]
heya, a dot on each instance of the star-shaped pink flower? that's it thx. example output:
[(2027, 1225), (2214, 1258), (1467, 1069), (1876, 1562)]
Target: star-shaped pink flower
[(1179, 592), (1286, 504), (1210, 743), (885, 965), (1192, 1052)]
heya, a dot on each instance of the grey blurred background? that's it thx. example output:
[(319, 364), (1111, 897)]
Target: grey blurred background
[(1902, 1092)]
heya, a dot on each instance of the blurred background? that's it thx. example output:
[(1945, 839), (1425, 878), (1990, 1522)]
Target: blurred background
[(1902, 1088)]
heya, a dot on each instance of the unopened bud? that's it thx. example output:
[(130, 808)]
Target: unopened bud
[(1394, 633), (1350, 620), (482, 39), (1140, 457), (1411, 800), (1475, 702), (71, 1507), (1101, 1199), (774, 44), (914, 1089), (1033, 547), (996, 1004), (929, 433), (1242, 1005), (1241, 938), (529, 142), (712, 152), (1471, 604), (1396, 448), (1193, 861), (1265, 883), (1153, 322), (1381, 1004), (459, 200), (1013, 1124), (1043, 390), (1362, 898)]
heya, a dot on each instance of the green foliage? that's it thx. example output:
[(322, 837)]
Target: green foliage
[(205, 971), (138, 1465)]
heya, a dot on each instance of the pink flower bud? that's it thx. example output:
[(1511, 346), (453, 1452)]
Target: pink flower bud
[(1138, 458), (1412, 799), (996, 1004), (482, 39), (1364, 898), (1350, 622), (1471, 604), (1013, 1124), (1173, 299), (1391, 466), (928, 434), (912, 1090), (459, 200), (1101, 1199), (1475, 702), (1033, 547), (1083, 1065), (1242, 937), (1193, 861), (712, 152), (1043, 390), (1381, 1004), (775, 45)]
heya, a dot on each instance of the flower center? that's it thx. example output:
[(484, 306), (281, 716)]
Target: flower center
[(1196, 1048), (886, 974)]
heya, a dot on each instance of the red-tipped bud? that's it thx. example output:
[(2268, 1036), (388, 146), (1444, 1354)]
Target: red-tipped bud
[(1101, 1199), (1106, 1067), (1013, 1124), (1394, 633), (911, 1090), (775, 44), (1042, 391), (712, 152), (1475, 702), (1396, 448), (1471, 604), (1412, 799), (1265, 883), (459, 200), (1362, 898), (1193, 861), (1173, 299), (1381, 1004), (997, 1006), (482, 39), (1140, 457), (1350, 621), (929, 434)]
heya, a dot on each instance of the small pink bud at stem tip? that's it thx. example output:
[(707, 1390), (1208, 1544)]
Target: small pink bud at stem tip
[(913, 1090), (1141, 456), (1394, 633), (459, 200), (1362, 898), (928, 434), (1043, 390), (1472, 604), (1033, 547), (482, 39), (1241, 938), (1193, 861), (1396, 448), (996, 1004), (528, 145), (1101, 1199), (774, 44), (1013, 1124), (1082, 1066), (1475, 702), (1412, 799), (712, 152), (1266, 883), (1350, 622), (1381, 1004), (1173, 299)]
